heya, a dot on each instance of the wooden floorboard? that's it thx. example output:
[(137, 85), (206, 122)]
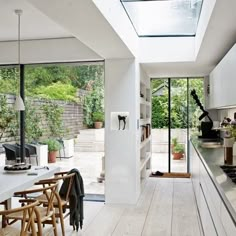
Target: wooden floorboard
[(105, 221), (91, 209), (133, 218), (166, 207), (158, 222), (184, 215)]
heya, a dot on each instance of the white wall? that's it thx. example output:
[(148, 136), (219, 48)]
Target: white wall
[(207, 9), (82, 19), (114, 12), (178, 49), (121, 146), (48, 50)]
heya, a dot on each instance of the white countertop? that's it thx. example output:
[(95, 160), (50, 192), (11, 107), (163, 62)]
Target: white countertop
[(10, 183)]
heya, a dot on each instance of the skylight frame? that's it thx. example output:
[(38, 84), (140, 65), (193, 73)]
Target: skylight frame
[(162, 35)]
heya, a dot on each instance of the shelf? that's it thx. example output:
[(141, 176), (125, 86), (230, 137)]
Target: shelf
[(142, 144), (145, 121), (144, 161), (142, 101)]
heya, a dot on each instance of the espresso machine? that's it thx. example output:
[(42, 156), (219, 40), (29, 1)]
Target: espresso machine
[(206, 126)]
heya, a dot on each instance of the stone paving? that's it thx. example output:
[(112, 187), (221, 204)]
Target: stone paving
[(90, 166)]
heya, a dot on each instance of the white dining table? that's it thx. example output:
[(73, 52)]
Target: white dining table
[(13, 182)]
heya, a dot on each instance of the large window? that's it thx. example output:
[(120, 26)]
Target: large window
[(164, 17)]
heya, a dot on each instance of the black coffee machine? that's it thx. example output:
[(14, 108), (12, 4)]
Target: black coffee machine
[(206, 126), (207, 132)]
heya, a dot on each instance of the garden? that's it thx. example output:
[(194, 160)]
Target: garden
[(59, 99)]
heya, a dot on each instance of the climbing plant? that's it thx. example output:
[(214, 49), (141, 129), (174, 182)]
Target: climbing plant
[(53, 115), (93, 101), (33, 123), (7, 116)]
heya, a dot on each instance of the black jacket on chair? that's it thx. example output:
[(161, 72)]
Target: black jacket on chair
[(76, 199)]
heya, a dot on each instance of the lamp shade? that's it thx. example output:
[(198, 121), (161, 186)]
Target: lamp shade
[(19, 104)]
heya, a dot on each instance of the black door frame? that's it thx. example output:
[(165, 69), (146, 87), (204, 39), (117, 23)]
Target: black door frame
[(169, 124)]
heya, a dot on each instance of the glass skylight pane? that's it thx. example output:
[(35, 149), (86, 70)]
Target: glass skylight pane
[(164, 17)]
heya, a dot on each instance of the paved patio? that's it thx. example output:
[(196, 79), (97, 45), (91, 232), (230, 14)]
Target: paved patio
[(90, 166)]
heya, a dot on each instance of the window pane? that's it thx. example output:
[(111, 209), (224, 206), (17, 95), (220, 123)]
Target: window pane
[(164, 17)]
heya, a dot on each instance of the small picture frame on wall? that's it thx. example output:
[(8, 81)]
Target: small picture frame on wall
[(119, 121)]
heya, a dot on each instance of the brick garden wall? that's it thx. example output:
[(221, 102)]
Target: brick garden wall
[(72, 116)]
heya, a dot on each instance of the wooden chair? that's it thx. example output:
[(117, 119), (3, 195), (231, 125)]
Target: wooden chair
[(5, 205), (27, 224), (61, 204), (44, 213)]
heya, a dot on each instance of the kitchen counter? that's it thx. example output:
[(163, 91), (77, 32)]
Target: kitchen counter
[(212, 158)]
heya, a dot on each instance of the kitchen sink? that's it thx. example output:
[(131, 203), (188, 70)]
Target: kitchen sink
[(211, 145)]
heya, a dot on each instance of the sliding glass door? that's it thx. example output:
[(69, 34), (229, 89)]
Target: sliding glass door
[(173, 115), (178, 125)]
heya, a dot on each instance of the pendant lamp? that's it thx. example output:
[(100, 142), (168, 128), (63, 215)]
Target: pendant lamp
[(19, 103)]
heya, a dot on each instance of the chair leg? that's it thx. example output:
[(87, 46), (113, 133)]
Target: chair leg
[(54, 224), (62, 221), (4, 220)]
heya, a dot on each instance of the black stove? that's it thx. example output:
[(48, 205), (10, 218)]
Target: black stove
[(230, 171)]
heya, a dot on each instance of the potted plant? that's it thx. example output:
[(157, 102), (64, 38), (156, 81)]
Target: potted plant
[(174, 142), (53, 147), (178, 151), (98, 118)]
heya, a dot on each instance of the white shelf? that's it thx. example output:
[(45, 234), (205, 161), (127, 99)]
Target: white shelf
[(144, 161), (145, 119), (143, 144), (142, 101)]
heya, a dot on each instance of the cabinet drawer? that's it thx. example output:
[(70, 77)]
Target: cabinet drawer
[(213, 211), (227, 222), (207, 223), (213, 193)]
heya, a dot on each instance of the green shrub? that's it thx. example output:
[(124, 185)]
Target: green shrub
[(98, 117), (53, 145), (57, 91)]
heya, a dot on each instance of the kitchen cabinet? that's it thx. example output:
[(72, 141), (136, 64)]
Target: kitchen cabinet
[(194, 166), (206, 219), (222, 82), (227, 222), (214, 216)]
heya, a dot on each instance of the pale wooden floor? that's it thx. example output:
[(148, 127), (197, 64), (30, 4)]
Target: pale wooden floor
[(166, 207)]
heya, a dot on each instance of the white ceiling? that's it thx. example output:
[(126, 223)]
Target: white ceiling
[(97, 33), (220, 36), (34, 24)]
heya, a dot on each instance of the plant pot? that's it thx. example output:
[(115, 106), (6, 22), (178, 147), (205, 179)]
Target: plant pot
[(98, 125), (52, 157), (177, 155)]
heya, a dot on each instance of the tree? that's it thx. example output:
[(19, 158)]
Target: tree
[(179, 110)]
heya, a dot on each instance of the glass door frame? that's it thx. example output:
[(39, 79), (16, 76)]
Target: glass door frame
[(169, 122)]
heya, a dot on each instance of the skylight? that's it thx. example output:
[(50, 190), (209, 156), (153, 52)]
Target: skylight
[(153, 18)]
